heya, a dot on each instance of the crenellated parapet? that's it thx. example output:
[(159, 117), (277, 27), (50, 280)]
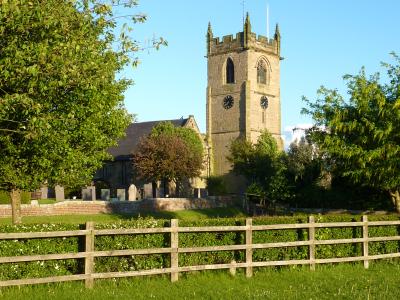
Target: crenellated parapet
[(244, 40)]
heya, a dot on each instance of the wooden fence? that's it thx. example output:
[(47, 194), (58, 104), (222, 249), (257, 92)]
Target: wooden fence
[(174, 250)]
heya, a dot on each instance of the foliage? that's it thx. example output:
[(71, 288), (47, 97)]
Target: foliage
[(362, 134), (263, 164), (303, 162), (254, 161), (169, 153), (61, 104), (5, 197), (193, 239), (216, 186), (188, 135)]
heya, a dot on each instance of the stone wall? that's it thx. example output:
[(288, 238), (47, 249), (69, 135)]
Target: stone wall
[(122, 207)]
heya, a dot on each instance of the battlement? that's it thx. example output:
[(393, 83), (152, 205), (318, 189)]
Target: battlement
[(243, 41), (237, 43)]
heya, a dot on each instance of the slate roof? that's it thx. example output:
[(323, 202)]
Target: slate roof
[(134, 132)]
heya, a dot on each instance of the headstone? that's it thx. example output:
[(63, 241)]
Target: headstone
[(132, 191), (44, 192), (121, 194), (105, 194), (93, 189), (87, 194), (59, 190)]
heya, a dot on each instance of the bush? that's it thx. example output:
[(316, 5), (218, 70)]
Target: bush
[(216, 186), (194, 239), (5, 197)]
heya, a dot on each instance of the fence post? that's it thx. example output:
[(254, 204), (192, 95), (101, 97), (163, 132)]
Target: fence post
[(365, 242), (174, 250), (249, 247), (89, 259), (311, 238)]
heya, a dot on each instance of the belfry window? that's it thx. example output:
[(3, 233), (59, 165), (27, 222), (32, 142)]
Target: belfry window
[(230, 71), (261, 73)]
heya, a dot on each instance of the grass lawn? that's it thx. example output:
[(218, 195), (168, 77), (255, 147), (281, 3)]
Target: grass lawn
[(100, 218), (381, 281)]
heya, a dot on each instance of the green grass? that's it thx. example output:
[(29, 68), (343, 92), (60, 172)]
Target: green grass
[(381, 281), (101, 218), (47, 201)]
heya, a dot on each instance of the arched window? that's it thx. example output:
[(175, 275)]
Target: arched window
[(230, 71), (261, 72)]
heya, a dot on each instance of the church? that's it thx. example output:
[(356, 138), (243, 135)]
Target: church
[(242, 98)]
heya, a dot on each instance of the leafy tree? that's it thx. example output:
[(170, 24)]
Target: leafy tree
[(362, 134), (262, 164), (168, 154), (254, 161), (303, 162), (61, 104), (188, 135)]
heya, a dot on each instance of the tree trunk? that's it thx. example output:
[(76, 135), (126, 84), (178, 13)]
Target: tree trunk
[(16, 206), (396, 199)]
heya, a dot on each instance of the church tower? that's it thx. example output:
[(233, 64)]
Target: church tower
[(243, 92)]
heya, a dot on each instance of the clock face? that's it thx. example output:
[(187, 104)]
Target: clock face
[(228, 102), (264, 102)]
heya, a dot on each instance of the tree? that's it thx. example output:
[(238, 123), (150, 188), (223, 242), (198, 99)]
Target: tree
[(362, 134), (61, 104), (257, 161), (262, 164), (303, 162), (168, 154)]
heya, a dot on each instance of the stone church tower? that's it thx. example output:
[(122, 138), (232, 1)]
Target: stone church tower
[(243, 92)]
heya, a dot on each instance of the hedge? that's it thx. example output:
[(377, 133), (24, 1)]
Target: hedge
[(5, 197), (141, 262)]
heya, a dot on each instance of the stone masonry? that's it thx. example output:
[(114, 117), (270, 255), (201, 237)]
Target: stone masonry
[(246, 118)]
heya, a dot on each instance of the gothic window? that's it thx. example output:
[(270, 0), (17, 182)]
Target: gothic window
[(230, 71), (261, 72)]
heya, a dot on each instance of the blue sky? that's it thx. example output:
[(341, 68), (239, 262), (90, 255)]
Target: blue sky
[(321, 41)]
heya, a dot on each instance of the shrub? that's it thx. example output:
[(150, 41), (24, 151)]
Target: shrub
[(216, 186), (193, 239)]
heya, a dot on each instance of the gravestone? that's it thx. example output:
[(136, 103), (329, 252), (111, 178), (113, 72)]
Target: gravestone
[(105, 194), (93, 189), (132, 192), (121, 194), (59, 191), (44, 192), (87, 194)]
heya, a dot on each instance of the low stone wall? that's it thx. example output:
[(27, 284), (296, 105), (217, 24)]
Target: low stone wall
[(122, 207)]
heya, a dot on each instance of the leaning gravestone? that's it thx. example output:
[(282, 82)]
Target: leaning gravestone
[(105, 194), (132, 191), (59, 191), (121, 194)]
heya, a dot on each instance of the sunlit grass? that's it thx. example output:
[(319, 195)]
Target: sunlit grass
[(101, 218), (381, 281)]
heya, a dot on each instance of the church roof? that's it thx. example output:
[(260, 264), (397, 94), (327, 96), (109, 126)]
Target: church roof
[(134, 133)]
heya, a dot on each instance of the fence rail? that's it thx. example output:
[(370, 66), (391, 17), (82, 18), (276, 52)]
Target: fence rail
[(174, 250)]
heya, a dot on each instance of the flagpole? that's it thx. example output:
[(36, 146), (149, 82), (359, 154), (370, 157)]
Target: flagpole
[(268, 21)]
